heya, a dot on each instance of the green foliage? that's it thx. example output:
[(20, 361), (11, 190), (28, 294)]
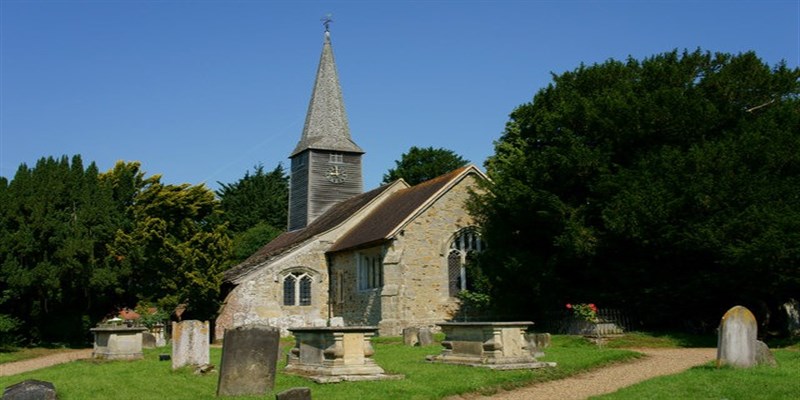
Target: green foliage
[(76, 244), (255, 199), (584, 312), (55, 223), (9, 327), (249, 241), (657, 185), (150, 315), (174, 250), (422, 164)]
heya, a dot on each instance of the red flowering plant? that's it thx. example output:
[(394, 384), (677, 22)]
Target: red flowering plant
[(586, 312)]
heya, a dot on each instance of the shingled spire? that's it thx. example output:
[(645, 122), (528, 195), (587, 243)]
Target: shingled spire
[(326, 126), (326, 163)]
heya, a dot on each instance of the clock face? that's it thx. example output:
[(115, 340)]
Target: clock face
[(336, 174)]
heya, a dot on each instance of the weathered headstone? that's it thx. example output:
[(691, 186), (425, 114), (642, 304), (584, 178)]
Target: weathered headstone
[(763, 355), (31, 390), (190, 343), (411, 336), (298, 393), (249, 360), (148, 340), (158, 331), (425, 337), (537, 342), (736, 345)]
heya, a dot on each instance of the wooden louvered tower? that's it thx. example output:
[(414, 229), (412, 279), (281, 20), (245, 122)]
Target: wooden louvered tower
[(326, 163)]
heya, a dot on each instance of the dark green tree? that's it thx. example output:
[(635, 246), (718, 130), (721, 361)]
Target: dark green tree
[(422, 164), (260, 197), (255, 209), (55, 223), (668, 186)]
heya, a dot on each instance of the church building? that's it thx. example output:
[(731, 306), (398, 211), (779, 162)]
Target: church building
[(392, 257)]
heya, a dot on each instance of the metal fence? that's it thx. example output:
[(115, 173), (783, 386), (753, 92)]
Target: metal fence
[(610, 322)]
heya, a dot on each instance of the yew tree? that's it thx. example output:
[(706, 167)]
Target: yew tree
[(255, 208), (421, 164), (668, 186), (174, 250)]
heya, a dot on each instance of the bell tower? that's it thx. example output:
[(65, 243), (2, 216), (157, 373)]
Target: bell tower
[(326, 163)]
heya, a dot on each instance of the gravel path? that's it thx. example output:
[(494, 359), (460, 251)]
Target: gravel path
[(19, 367), (657, 362)]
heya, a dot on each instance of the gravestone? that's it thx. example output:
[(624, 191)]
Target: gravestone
[(148, 340), (537, 342), (736, 345), (298, 393), (411, 336), (158, 331), (763, 355), (249, 360), (425, 336), (31, 390), (190, 341)]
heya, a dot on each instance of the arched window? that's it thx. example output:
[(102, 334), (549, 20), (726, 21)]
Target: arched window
[(465, 244), (297, 289)]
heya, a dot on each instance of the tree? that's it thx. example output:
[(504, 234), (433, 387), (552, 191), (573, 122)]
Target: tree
[(174, 250), (422, 164), (56, 221), (256, 198), (662, 186)]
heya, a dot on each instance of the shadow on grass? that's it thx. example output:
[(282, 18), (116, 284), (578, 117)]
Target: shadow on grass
[(663, 340)]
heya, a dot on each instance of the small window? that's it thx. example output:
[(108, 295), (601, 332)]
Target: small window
[(336, 158), (298, 162), (370, 271), (297, 289)]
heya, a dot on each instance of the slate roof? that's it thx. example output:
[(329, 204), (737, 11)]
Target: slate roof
[(380, 224), (326, 126), (289, 240)]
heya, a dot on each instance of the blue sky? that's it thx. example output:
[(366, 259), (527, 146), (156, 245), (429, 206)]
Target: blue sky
[(202, 91)]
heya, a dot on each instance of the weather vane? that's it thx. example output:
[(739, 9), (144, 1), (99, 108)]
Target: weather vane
[(327, 22)]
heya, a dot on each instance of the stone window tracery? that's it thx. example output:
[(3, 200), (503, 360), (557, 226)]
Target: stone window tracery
[(297, 289), (466, 243)]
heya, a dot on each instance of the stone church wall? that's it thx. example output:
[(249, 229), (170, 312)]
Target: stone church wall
[(422, 278), (259, 299), (415, 287), (357, 307)]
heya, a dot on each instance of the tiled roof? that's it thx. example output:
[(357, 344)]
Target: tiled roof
[(289, 240), (382, 221)]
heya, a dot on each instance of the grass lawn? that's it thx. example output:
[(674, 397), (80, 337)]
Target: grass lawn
[(153, 379), (708, 382)]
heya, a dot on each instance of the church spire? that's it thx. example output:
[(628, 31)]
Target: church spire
[(326, 126), (326, 164)]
